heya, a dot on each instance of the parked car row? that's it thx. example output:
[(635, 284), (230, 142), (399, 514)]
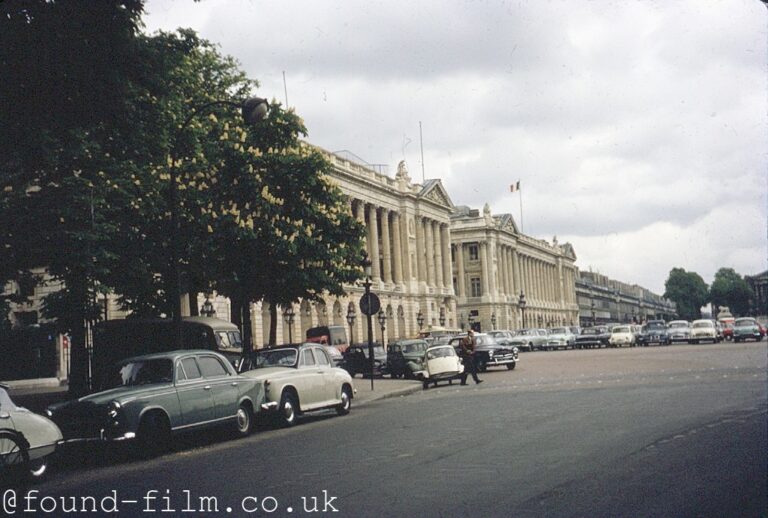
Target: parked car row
[(151, 398)]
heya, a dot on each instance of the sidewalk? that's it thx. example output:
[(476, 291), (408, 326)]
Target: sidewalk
[(38, 398)]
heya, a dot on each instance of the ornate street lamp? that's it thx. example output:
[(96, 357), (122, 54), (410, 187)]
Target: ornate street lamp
[(383, 324), (253, 110), (461, 321), (493, 320), (288, 316), (592, 307), (351, 315), (521, 302), (207, 310), (420, 319), (471, 319), (369, 301), (442, 316)]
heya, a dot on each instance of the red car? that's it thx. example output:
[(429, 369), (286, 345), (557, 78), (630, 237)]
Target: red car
[(727, 331)]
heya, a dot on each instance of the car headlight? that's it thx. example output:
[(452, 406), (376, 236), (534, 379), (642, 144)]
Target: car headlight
[(490, 353), (114, 409)]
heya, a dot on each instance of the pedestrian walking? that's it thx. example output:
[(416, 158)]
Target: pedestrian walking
[(467, 347)]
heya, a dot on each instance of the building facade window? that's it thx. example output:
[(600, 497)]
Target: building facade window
[(475, 289), (473, 252)]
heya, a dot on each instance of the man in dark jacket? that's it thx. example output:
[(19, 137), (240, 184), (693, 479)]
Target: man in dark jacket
[(467, 348)]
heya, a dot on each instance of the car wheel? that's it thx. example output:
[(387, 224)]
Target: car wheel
[(346, 401), (287, 410), (425, 384), (154, 435), (14, 461), (511, 366), (244, 420)]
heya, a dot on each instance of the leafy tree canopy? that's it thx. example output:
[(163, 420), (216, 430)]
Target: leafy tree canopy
[(688, 290), (730, 289)]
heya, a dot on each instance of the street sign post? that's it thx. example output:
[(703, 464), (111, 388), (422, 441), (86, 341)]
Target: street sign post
[(370, 305)]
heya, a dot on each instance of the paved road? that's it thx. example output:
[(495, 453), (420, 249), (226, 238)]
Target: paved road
[(663, 431)]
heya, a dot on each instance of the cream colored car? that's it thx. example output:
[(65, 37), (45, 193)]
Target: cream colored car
[(621, 336), (298, 379), (27, 440), (703, 330), (441, 363)]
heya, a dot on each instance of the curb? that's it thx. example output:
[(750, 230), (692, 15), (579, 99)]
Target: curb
[(392, 394), (31, 384)]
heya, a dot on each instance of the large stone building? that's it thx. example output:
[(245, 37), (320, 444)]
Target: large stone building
[(603, 300), (759, 285), (408, 241), (494, 264)]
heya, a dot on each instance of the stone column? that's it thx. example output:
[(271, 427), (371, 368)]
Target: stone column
[(373, 242), (398, 248), (516, 272), (430, 247), (460, 274), (502, 263), (484, 265), (386, 246), (405, 245), (445, 241), (437, 238), (510, 273), (420, 251), (359, 212)]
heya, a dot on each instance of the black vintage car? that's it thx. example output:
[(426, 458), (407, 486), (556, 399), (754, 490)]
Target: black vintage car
[(591, 337), (356, 360), (490, 353), (654, 332)]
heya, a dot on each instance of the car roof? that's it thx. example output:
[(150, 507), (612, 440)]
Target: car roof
[(171, 355)]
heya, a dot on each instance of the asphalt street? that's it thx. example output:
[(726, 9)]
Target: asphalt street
[(660, 431)]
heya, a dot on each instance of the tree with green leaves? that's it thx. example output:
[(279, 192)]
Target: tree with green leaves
[(730, 289), (688, 290)]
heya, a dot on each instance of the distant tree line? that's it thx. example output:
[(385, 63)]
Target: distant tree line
[(689, 292)]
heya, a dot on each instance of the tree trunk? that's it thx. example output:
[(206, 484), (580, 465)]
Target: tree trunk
[(272, 323), (194, 309), (247, 326)]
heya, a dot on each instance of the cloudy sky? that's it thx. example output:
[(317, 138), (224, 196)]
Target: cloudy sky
[(636, 129)]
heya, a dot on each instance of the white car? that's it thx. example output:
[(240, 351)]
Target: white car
[(27, 440), (299, 379), (441, 362), (679, 331), (560, 338), (621, 336), (703, 330)]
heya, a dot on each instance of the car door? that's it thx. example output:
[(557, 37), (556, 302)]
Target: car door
[(327, 384), (223, 385), (308, 379), (195, 400)]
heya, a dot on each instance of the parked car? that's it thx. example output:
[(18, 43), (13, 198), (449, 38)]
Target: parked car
[(560, 338), (336, 356), (153, 396), (405, 357), (703, 330), (746, 329), (654, 332), (637, 332), (27, 441), (489, 353), (297, 379), (621, 336), (441, 363), (679, 331), (503, 337), (529, 339), (356, 360), (727, 330), (595, 336)]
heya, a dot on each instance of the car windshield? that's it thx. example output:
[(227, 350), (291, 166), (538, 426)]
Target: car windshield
[(5, 400), (558, 331), (621, 329), (678, 325), (744, 322), (440, 352), (525, 332), (591, 331), (485, 340), (413, 348), (142, 372), (703, 324), (276, 358)]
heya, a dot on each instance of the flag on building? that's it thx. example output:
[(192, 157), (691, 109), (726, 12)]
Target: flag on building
[(514, 187)]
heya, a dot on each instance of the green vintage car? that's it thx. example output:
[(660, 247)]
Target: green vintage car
[(746, 329), (156, 395), (406, 357)]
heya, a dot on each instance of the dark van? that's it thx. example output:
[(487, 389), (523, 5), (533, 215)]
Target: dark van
[(329, 335), (115, 340)]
